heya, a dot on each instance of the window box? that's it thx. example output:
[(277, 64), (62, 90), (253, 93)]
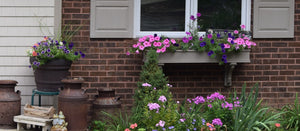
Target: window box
[(192, 56)]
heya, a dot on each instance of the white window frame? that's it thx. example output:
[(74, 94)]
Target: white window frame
[(191, 8)]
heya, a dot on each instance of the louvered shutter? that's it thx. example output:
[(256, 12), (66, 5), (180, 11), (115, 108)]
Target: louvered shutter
[(273, 19), (111, 19)]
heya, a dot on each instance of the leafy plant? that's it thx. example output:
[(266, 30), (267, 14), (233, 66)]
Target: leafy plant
[(50, 49), (291, 117), (97, 126), (251, 116)]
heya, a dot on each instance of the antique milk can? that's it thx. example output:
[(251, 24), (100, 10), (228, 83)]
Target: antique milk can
[(72, 100), (10, 103), (106, 101)]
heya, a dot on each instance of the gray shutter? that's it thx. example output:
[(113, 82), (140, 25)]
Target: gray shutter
[(273, 19), (111, 19)]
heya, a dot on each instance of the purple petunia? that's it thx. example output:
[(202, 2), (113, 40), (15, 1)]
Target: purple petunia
[(185, 40), (202, 44), (192, 17), (218, 35), (210, 53), (76, 53), (209, 36), (71, 45), (212, 41), (48, 50), (198, 14)]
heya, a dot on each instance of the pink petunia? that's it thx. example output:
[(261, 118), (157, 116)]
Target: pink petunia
[(209, 36), (198, 14), (137, 51), (141, 47), (163, 49), (157, 38), (243, 26), (235, 31), (188, 33), (173, 41), (151, 39), (142, 39), (127, 53), (226, 46)]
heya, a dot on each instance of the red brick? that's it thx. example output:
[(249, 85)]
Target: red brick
[(71, 10)]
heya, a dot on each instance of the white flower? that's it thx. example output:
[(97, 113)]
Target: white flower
[(61, 43)]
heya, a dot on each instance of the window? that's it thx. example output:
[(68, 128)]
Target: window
[(172, 17)]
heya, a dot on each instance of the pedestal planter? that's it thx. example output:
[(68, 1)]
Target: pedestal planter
[(48, 77), (192, 56), (10, 103), (72, 101)]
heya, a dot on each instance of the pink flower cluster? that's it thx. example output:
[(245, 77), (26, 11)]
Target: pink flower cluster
[(214, 96), (198, 99), (162, 98), (153, 41), (153, 106)]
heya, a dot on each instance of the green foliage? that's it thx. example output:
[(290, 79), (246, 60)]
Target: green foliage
[(117, 123), (157, 86), (291, 115), (251, 116), (97, 126)]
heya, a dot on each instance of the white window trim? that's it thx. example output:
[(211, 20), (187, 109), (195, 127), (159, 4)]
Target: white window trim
[(191, 9)]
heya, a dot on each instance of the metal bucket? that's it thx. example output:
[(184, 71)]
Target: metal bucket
[(72, 101), (10, 103), (107, 102)]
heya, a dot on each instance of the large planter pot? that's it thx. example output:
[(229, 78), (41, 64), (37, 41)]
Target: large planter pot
[(48, 76), (10, 103)]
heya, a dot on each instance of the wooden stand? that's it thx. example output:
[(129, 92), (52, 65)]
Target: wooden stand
[(44, 123), (40, 112)]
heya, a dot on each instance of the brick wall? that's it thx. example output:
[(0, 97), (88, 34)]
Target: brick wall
[(274, 64)]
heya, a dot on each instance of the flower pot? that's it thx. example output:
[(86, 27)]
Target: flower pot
[(48, 77)]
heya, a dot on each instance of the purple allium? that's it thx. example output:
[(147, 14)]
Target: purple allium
[(146, 84), (153, 106), (217, 121), (185, 40), (162, 98), (210, 53), (192, 17), (212, 41), (198, 99)]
